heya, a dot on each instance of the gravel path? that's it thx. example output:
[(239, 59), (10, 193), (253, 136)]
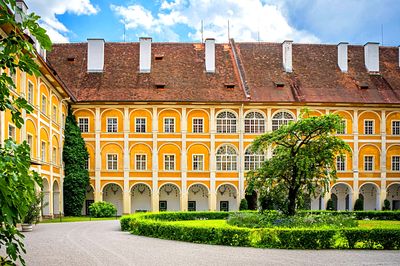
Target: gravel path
[(102, 243)]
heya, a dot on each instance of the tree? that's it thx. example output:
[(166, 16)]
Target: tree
[(304, 160), (76, 177), (359, 204), (17, 183)]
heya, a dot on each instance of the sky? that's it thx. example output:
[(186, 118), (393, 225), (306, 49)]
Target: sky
[(303, 21)]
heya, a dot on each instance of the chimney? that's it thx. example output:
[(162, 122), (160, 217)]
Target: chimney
[(287, 56), (342, 56), (145, 55), (95, 55), (210, 55), (24, 9), (371, 56)]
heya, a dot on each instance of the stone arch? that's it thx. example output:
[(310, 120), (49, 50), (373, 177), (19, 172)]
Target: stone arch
[(227, 197), (169, 195), (46, 198), (198, 113), (342, 192), (369, 149), (393, 195), (89, 199), (370, 193), (198, 148), (112, 192), (56, 198), (198, 197), (140, 197)]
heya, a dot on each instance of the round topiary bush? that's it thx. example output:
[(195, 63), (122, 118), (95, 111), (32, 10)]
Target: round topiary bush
[(102, 209), (243, 205), (386, 205), (359, 205), (329, 205)]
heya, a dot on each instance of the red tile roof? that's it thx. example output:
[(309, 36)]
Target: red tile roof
[(315, 78)]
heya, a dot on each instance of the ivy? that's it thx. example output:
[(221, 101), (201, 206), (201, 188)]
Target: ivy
[(76, 177)]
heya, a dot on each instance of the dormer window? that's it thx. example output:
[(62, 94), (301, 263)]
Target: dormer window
[(159, 57), (279, 84), (229, 85), (160, 85), (363, 86)]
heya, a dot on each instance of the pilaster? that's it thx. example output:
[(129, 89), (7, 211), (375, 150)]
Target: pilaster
[(154, 194), (241, 156), (126, 192), (97, 193), (212, 204), (184, 195), (355, 159)]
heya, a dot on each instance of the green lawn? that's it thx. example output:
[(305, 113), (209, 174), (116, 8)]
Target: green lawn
[(68, 219), (222, 223)]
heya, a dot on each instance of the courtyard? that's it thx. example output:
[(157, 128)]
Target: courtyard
[(103, 243)]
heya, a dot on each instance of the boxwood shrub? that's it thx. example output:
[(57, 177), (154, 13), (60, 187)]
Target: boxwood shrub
[(102, 209), (363, 215)]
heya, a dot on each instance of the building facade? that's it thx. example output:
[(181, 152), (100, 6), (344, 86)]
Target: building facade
[(168, 125)]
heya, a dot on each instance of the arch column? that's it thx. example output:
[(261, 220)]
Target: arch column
[(212, 200), (155, 199), (382, 197)]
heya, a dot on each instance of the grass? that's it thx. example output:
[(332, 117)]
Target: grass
[(69, 219), (222, 223)]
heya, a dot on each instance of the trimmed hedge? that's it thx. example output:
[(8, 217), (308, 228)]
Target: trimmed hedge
[(362, 215), (157, 225)]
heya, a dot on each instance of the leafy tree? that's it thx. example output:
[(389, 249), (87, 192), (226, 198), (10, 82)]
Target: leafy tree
[(386, 205), (304, 160), (243, 205), (76, 177), (17, 182)]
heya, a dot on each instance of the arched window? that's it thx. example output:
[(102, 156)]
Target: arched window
[(226, 122), (252, 161), (226, 158), (254, 122), (281, 118)]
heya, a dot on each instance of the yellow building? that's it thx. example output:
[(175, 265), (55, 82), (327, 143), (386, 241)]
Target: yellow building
[(168, 125)]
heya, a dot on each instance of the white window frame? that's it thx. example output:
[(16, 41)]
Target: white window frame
[(43, 150), (112, 161), (227, 125), (195, 126), (281, 121), (54, 155), (13, 76), (393, 128), (393, 163), (45, 104), (140, 161), (341, 165), (365, 163), (140, 125), (79, 124), (254, 125), (252, 161), (30, 93), (169, 162), (54, 113), (199, 163), (373, 127), (230, 160), (169, 126), (14, 130), (30, 144), (109, 126), (344, 129)]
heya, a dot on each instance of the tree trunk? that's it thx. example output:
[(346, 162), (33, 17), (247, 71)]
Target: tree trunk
[(292, 201)]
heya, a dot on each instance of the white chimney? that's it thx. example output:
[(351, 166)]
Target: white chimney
[(342, 56), (145, 55), (24, 9), (95, 55), (371, 56), (210, 55), (287, 56)]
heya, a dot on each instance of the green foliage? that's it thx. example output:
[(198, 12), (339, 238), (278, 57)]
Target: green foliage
[(165, 226), (362, 215), (276, 219), (304, 161), (34, 210), (102, 209), (243, 205), (359, 204), (329, 205), (386, 205), (76, 178)]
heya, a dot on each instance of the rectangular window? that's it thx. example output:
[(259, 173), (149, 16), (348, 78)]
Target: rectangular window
[(29, 139), (13, 76), (198, 125), (198, 162), (395, 127), (112, 161), (43, 151), (169, 162), (368, 163), (169, 125), (44, 104), (340, 163), (342, 129), (30, 92), (396, 163), (54, 155), (368, 127), (54, 114), (140, 162), (112, 124), (83, 124), (11, 132), (140, 125)]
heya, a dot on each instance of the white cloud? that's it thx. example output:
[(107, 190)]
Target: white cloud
[(48, 9), (249, 20)]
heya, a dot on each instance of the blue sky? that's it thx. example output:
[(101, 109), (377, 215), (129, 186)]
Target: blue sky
[(306, 21)]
